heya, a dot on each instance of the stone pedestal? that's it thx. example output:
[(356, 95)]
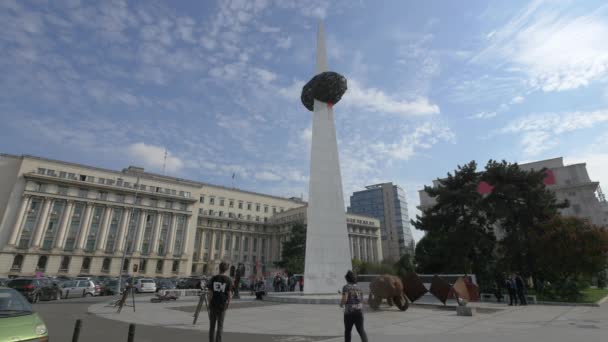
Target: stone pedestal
[(464, 311)]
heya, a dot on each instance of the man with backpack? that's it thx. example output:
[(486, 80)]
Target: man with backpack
[(218, 296)]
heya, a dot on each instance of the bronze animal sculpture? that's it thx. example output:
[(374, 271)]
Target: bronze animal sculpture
[(387, 287)]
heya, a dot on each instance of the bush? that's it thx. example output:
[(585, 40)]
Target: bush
[(569, 290), (601, 280)]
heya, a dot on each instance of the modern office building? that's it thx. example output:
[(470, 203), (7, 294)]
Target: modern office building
[(58, 217), (388, 204), (572, 182)]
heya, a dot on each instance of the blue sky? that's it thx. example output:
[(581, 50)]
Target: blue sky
[(431, 85)]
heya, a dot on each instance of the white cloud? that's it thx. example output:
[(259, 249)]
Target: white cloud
[(422, 137), (284, 43), (517, 99), (375, 100), (154, 157), (540, 131), (557, 50), (483, 115), (267, 176), (306, 136), (293, 91), (265, 75)]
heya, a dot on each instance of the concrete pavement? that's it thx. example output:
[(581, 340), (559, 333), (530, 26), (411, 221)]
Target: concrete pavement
[(492, 322)]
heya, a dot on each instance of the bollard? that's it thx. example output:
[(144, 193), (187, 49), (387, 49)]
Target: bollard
[(76, 331), (131, 333)]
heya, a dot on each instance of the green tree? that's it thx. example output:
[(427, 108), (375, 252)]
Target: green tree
[(404, 265), (573, 250), (294, 250), (519, 204), (459, 234)]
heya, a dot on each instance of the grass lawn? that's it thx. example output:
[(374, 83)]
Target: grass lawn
[(589, 296)]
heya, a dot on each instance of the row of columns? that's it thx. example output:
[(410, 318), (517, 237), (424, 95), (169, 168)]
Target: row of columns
[(85, 226), (363, 248), (234, 236)]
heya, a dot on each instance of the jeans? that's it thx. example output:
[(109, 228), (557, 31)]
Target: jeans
[(216, 316), (356, 319)]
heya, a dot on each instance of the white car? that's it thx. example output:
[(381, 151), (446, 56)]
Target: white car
[(145, 285), (79, 288)]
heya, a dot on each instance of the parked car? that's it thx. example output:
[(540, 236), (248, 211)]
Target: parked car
[(189, 283), (4, 282), (79, 288), (35, 289), (165, 284), (145, 285), (108, 287), (18, 320)]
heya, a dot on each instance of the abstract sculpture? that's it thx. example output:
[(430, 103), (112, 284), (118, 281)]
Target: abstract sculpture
[(326, 87)]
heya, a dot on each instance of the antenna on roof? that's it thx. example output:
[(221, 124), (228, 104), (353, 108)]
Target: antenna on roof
[(165, 161)]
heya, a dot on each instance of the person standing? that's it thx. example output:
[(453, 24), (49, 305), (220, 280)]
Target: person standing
[(521, 289), (301, 283), (352, 302), (218, 297), (511, 288)]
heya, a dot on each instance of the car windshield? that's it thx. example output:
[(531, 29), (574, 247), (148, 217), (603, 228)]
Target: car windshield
[(147, 281), (13, 304)]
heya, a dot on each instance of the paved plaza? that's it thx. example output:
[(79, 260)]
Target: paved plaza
[(309, 322)]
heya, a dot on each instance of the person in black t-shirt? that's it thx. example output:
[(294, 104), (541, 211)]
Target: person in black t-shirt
[(218, 297)]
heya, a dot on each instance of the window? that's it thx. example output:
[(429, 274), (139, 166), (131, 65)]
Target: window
[(159, 266), (119, 181), (53, 224), (125, 265), (109, 182), (246, 244), (41, 171), (103, 196), (62, 174), (274, 210), (217, 241), (72, 176), (282, 209), (240, 205), (65, 264), (248, 206), (182, 206), (126, 184), (83, 178), (17, 263), (113, 231), (94, 229), (202, 199), (91, 179), (210, 212), (212, 200), (120, 198), (168, 205), (164, 234), (221, 214), (62, 190), (221, 202), (257, 207), (153, 202), (265, 209), (231, 203), (157, 189), (105, 266), (83, 193), (30, 223), (254, 248), (173, 192), (86, 264), (142, 187), (257, 219), (74, 227), (50, 173), (101, 180), (144, 265), (175, 268), (138, 200), (228, 241)]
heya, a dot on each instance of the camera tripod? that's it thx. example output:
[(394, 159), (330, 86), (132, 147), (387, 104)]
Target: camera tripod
[(199, 307)]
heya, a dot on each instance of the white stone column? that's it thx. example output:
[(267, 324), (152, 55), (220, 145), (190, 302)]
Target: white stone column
[(156, 235), (122, 231), (241, 237), (65, 220), (139, 232), (222, 244), (84, 227), (189, 235), (25, 203), (42, 222), (172, 231), (212, 246), (103, 233), (201, 248)]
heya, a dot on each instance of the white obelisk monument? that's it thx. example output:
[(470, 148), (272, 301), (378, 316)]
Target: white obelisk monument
[(327, 246)]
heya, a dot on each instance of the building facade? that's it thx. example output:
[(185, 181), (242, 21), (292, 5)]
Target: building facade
[(363, 233), (63, 218), (572, 182), (387, 203)]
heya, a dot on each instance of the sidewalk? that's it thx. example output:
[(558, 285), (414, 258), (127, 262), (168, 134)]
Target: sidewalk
[(530, 323)]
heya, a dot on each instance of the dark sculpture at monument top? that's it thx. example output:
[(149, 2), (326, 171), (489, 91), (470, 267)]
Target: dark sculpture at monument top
[(326, 87)]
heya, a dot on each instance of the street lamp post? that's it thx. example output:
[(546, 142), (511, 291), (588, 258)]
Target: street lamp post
[(127, 237)]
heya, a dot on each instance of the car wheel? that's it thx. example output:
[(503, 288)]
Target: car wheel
[(88, 294)]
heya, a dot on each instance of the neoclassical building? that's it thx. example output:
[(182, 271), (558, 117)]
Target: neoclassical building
[(64, 218)]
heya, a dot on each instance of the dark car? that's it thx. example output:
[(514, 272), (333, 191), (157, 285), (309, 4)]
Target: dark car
[(189, 283), (165, 284), (108, 287), (35, 289)]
